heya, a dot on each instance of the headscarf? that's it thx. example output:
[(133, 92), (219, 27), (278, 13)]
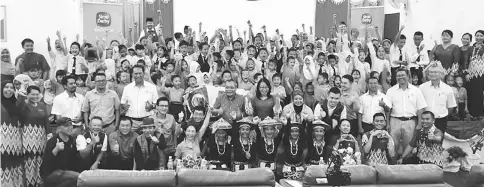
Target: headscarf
[(9, 103), (7, 67), (323, 45), (309, 75), (25, 81), (193, 67)]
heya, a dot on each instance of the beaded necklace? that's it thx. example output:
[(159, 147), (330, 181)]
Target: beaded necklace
[(292, 145), (271, 148), (249, 144), (318, 147), (218, 148)]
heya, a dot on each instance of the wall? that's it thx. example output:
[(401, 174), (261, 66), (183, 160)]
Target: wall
[(38, 20), (433, 16), (285, 15)]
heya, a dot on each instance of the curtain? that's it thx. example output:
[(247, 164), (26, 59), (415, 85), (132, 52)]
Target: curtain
[(131, 16), (324, 16), (151, 11), (392, 25)]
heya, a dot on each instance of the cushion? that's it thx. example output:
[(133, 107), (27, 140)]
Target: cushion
[(476, 175), (250, 177), (118, 178), (410, 174), (360, 174)]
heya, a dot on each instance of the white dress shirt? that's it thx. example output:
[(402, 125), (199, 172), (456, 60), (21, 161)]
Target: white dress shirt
[(79, 60), (395, 55), (66, 106), (413, 54), (439, 98), (137, 97), (405, 103), (370, 105)]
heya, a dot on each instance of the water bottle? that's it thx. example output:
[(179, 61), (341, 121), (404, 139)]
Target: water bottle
[(178, 165), (321, 161), (170, 163), (203, 164)]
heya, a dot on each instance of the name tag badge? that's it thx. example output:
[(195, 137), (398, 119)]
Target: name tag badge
[(321, 181), (224, 166)]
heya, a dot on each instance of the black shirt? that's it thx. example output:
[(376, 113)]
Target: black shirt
[(66, 159)]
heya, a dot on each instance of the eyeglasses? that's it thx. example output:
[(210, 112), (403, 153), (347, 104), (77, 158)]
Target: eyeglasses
[(100, 81), (163, 106)]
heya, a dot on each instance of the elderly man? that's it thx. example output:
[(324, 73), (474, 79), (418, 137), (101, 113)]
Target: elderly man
[(102, 102), (230, 105), (138, 97), (407, 103), (439, 96)]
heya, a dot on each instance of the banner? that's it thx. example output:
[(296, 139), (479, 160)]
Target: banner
[(102, 18), (364, 17)]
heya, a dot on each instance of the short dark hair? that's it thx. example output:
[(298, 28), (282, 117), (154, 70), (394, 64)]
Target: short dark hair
[(418, 33), (226, 71), (403, 37), (276, 75), (173, 77), (263, 49), (139, 66), (99, 74), (178, 35), (349, 77), (64, 80), (331, 56), (379, 114), (141, 61), (97, 117), (334, 90), (27, 40), (60, 72), (290, 58), (468, 34), (203, 44), (76, 43), (325, 75), (120, 47), (199, 108), (149, 19), (257, 75), (376, 78), (162, 99), (449, 32), (139, 47), (33, 87), (429, 113), (402, 69), (126, 118), (182, 43)]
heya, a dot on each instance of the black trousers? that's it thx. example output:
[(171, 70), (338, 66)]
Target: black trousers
[(441, 124)]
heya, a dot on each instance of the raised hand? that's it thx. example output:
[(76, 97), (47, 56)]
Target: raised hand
[(159, 12), (57, 33), (48, 39)]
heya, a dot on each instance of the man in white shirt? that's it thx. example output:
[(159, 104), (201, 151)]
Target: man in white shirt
[(138, 97), (372, 102), (68, 103), (418, 56), (398, 54), (407, 103), (439, 96)]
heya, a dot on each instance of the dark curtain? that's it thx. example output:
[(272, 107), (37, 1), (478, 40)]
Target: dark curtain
[(392, 22), (324, 16), (150, 11)]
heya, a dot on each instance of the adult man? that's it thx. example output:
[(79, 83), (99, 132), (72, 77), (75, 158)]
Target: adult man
[(377, 144), (372, 102), (60, 164), (331, 111), (230, 105), (138, 97), (407, 103), (68, 103), (29, 58), (418, 56), (148, 148), (102, 102), (439, 96), (166, 125), (92, 145), (398, 54), (121, 154), (350, 99), (428, 142)]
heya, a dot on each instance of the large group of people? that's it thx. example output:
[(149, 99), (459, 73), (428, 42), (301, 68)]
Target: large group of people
[(237, 101)]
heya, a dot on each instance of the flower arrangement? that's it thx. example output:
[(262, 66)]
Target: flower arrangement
[(350, 157), (455, 153), (191, 162)]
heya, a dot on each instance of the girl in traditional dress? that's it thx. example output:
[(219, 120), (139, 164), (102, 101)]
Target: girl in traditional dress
[(11, 139), (378, 144), (243, 146), (316, 144), (268, 139), (36, 129), (218, 146), (292, 160)]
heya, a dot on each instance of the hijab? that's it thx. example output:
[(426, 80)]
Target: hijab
[(9, 103), (309, 75), (7, 67), (25, 81)]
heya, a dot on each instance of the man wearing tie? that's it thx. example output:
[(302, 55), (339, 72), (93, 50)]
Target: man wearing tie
[(417, 56), (398, 57)]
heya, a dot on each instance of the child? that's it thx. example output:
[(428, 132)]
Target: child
[(337, 81), (170, 71), (309, 98), (277, 88), (110, 63), (175, 95), (49, 95), (322, 87), (358, 86), (244, 82), (56, 85), (81, 84), (415, 80), (122, 79), (461, 97), (252, 70), (271, 70), (34, 73)]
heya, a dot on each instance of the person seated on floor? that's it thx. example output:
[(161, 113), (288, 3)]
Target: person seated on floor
[(60, 164), (149, 148), (121, 143), (218, 147), (426, 142), (92, 145), (378, 144)]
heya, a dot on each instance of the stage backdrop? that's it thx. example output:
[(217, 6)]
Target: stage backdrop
[(101, 18), (364, 17), (324, 16)]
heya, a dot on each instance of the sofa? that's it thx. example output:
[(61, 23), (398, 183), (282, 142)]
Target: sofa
[(476, 176), (257, 177), (422, 175)]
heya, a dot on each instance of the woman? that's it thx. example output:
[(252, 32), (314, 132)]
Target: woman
[(345, 140), (190, 146), (297, 110), (447, 53), (243, 146), (475, 84), (292, 160), (35, 122), (316, 144), (264, 104), (8, 69), (13, 171), (465, 51), (267, 143), (218, 146)]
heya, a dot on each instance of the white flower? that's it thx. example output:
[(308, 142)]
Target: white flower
[(88, 140), (341, 151), (357, 154), (349, 150), (347, 158)]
